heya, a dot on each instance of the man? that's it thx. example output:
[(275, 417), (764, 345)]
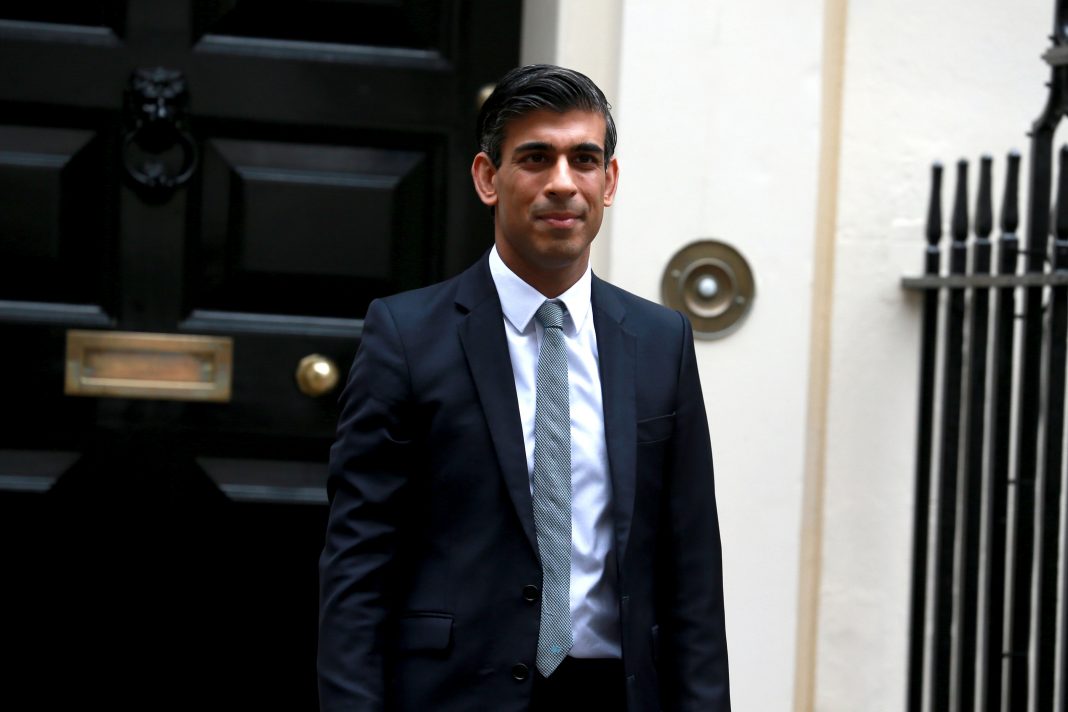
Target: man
[(522, 506)]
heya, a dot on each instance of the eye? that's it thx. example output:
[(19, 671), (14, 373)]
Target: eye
[(533, 158), (587, 159)]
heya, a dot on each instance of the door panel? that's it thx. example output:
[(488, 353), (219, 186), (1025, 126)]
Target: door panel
[(54, 216), (309, 229), (414, 24)]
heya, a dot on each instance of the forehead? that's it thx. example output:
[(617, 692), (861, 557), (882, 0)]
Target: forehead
[(559, 129)]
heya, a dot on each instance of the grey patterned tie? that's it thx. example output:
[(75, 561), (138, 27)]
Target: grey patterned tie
[(552, 489)]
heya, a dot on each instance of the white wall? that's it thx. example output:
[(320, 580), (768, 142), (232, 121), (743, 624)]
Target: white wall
[(923, 81), (719, 138)]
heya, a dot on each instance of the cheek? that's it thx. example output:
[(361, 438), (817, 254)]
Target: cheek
[(595, 190), (515, 195)]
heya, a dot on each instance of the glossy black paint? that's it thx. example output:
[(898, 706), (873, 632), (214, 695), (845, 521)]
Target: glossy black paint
[(333, 143)]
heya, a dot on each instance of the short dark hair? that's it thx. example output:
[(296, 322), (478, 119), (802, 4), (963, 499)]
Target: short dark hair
[(535, 87)]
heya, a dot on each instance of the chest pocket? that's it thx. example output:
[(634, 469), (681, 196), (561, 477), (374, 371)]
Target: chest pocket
[(654, 430), (424, 631)]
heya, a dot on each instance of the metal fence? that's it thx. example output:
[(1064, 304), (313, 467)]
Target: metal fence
[(988, 550)]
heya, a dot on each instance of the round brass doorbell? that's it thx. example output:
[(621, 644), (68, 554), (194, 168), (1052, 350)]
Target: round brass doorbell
[(711, 283)]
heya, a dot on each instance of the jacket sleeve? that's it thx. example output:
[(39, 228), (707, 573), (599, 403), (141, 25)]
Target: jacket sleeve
[(369, 467), (693, 638)]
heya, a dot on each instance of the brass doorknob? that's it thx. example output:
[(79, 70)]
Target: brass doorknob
[(316, 375)]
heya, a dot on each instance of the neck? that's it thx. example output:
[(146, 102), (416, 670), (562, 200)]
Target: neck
[(550, 282)]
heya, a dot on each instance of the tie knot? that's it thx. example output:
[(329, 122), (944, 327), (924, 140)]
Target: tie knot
[(550, 314)]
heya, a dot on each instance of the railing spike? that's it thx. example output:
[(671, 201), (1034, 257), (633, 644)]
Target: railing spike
[(984, 209), (934, 207), (959, 227), (1010, 204)]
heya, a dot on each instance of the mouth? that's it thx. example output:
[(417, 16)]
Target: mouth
[(559, 220)]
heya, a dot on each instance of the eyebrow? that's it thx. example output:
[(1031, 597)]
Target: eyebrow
[(587, 147)]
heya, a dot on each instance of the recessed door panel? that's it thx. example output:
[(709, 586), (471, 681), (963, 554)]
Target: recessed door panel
[(308, 229), (416, 24), (54, 216)]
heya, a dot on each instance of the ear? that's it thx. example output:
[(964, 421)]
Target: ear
[(611, 180), (483, 173)]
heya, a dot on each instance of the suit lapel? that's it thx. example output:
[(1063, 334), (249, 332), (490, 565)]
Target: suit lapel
[(486, 348), (616, 349)]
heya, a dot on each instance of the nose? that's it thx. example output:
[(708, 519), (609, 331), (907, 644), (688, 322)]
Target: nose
[(561, 181)]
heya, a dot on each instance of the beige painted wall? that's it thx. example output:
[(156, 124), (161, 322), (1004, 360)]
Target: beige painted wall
[(720, 139), (717, 139)]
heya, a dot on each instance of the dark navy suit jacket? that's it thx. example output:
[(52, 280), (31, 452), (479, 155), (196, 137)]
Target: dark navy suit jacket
[(427, 602)]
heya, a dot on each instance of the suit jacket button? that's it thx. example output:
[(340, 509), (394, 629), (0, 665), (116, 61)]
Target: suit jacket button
[(531, 594), (520, 671)]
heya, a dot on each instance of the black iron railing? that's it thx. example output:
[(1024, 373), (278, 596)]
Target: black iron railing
[(989, 506)]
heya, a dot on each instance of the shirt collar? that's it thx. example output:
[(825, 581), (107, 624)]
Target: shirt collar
[(519, 300)]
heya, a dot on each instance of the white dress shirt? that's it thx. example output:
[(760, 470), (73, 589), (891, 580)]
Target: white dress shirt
[(594, 603)]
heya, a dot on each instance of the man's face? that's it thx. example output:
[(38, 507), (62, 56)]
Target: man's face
[(550, 191)]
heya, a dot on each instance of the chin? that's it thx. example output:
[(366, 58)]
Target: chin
[(562, 258)]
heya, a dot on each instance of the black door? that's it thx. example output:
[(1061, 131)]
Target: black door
[(198, 200)]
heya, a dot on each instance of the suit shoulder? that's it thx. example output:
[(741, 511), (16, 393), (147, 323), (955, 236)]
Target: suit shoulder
[(640, 312), (427, 302), (430, 309), (405, 301)]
